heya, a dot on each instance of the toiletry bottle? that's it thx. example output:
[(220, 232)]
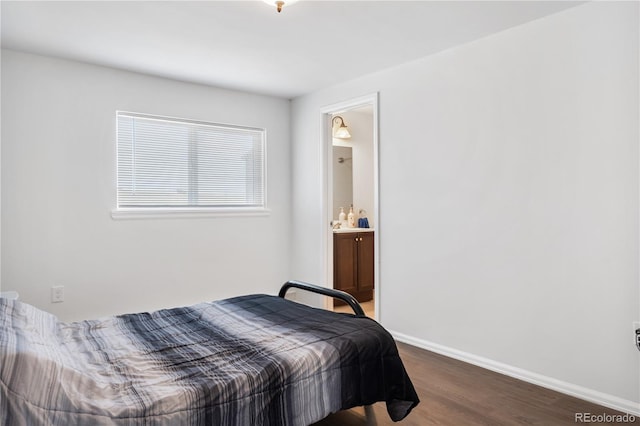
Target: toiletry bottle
[(342, 217), (351, 218)]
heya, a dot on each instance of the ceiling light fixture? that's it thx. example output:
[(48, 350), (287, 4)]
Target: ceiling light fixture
[(279, 4), (342, 132)]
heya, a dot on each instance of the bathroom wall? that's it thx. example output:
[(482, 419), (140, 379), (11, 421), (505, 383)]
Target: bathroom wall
[(360, 124)]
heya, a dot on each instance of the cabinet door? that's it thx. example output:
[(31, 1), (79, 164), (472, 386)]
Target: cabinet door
[(344, 262), (365, 261)]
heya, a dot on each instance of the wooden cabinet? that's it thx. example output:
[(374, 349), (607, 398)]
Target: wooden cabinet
[(353, 264)]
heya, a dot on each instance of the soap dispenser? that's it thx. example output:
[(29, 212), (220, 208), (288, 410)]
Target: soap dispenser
[(351, 218), (342, 218)]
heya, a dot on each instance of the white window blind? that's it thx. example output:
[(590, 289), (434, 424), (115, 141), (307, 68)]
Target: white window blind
[(166, 163)]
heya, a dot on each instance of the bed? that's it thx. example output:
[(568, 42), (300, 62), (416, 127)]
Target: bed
[(248, 360)]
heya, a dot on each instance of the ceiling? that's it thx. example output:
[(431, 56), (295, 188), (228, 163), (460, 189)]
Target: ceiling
[(247, 45)]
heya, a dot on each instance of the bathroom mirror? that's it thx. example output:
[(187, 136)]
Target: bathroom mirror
[(342, 179)]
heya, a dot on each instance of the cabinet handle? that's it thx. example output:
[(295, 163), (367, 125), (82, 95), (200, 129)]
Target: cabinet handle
[(360, 238)]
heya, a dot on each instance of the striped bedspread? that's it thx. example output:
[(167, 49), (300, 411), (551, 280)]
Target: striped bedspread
[(250, 360)]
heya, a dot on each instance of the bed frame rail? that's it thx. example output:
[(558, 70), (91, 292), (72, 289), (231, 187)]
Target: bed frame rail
[(345, 297)]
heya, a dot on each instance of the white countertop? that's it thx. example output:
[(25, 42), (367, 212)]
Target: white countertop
[(343, 230)]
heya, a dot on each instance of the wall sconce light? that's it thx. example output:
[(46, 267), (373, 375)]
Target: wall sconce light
[(279, 4), (342, 132)]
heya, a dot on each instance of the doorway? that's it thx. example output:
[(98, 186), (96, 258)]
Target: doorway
[(351, 183)]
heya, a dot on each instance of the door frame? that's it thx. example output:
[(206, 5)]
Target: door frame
[(327, 189)]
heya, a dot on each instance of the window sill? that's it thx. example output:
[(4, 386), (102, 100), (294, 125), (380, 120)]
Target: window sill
[(161, 213)]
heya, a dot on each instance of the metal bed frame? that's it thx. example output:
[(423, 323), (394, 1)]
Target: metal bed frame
[(338, 294)]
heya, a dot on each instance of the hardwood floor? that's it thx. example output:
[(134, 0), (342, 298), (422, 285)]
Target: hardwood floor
[(368, 308), (459, 394)]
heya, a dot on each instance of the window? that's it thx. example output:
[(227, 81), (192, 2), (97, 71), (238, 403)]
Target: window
[(173, 165)]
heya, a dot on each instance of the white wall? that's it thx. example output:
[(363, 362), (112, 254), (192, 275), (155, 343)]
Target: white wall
[(58, 189), (508, 199)]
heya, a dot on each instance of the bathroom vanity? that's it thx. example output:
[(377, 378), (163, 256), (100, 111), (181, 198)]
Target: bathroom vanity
[(353, 262)]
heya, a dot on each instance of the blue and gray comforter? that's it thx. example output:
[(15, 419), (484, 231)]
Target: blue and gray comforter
[(250, 360)]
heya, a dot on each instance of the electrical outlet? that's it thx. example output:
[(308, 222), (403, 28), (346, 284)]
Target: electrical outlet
[(636, 333), (57, 294)]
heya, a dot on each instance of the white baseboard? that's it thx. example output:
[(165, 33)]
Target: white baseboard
[(590, 395)]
